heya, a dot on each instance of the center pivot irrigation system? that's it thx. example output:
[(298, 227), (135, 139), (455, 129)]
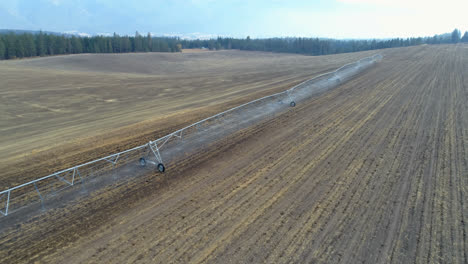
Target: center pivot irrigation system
[(177, 144)]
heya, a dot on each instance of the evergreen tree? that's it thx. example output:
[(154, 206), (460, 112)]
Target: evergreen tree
[(149, 43), (456, 36), (102, 45), (86, 45), (76, 46), (60, 44), (10, 40), (19, 45), (126, 45), (465, 37), (2, 49), (138, 42), (29, 45), (155, 47), (40, 44), (96, 48), (109, 48), (163, 46), (49, 44), (116, 43), (68, 46)]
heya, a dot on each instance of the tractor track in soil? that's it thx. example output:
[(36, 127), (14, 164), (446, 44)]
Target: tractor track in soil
[(373, 171)]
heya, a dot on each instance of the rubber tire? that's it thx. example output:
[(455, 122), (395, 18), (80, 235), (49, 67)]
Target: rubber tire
[(142, 162), (161, 168), (292, 104)]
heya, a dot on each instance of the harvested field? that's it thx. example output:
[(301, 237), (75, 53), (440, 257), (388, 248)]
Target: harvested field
[(61, 111), (374, 171)]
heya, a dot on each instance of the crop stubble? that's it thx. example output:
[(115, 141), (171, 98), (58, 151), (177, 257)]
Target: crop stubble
[(373, 171), (57, 112)]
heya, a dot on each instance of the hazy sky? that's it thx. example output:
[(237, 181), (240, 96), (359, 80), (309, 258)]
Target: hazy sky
[(239, 18)]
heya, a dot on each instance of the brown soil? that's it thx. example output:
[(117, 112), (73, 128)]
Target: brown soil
[(60, 111), (195, 50), (373, 171)]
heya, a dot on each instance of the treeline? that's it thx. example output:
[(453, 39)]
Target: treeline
[(316, 46), (311, 46), (29, 45)]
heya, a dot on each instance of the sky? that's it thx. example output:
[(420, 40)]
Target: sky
[(341, 19)]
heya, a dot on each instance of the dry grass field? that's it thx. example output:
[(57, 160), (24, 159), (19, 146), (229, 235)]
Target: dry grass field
[(373, 171)]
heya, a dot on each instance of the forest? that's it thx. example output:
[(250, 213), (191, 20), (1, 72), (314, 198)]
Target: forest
[(318, 46), (14, 45)]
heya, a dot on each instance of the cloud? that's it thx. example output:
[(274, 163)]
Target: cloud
[(55, 2), (77, 33), (421, 5), (366, 19), (372, 2), (193, 35), (105, 34), (262, 18)]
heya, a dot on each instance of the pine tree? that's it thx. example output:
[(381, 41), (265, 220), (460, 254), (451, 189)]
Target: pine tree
[(456, 36), (96, 48), (2, 49), (465, 37), (76, 46), (49, 44), (109, 48), (60, 45), (19, 47), (163, 46), (116, 43), (149, 43), (126, 45), (40, 44), (10, 52), (29, 45), (155, 47), (138, 42), (86, 44), (68, 46)]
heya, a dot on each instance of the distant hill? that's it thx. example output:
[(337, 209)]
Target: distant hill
[(22, 31), (34, 32)]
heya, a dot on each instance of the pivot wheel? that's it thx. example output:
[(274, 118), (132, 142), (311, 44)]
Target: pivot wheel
[(161, 168), (142, 162), (292, 104)]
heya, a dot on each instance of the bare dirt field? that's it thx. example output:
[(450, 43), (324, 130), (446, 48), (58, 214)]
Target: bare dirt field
[(60, 111), (195, 50), (373, 171)]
